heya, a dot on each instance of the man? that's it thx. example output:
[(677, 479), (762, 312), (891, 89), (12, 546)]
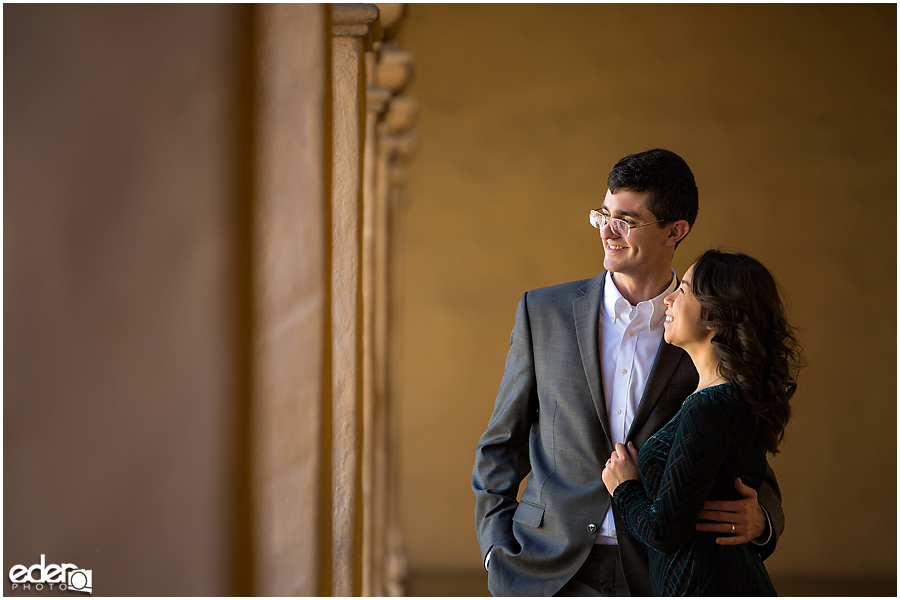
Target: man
[(588, 368)]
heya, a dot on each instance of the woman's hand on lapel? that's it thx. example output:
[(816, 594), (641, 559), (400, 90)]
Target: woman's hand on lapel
[(621, 466)]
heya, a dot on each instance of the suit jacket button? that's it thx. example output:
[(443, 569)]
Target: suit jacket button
[(592, 528)]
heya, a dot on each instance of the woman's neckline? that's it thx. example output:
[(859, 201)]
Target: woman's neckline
[(712, 385)]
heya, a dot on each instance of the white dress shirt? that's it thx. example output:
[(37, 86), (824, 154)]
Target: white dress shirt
[(629, 340)]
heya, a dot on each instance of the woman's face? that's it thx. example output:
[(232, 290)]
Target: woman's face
[(682, 324)]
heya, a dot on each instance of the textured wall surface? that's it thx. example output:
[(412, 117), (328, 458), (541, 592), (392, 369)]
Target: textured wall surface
[(289, 265), (787, 116), (121, 136)]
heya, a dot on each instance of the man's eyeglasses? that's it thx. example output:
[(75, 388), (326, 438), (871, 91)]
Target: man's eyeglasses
[(619, 227)]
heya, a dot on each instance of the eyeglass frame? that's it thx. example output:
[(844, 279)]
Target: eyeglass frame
[(609, 219)]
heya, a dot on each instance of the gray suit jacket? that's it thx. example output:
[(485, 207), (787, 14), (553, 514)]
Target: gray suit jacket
[(550, 423)]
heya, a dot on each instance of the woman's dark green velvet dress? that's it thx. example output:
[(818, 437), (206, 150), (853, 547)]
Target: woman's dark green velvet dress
[(693, 458)]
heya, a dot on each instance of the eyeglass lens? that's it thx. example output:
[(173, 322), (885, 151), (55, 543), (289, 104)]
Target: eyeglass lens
[(617, 226)]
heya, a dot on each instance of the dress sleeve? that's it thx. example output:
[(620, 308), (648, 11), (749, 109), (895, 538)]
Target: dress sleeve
[(667, 521)]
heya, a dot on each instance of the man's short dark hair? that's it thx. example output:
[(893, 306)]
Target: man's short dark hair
[(668, 179)]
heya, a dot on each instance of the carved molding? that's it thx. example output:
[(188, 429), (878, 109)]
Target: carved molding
[(353, 19), (395, 67), (377, 99), (390, 13), (402, 114)]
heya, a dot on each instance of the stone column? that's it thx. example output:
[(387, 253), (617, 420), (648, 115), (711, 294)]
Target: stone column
[(288, 439), (351, 30), (396, 143), (372, 473)]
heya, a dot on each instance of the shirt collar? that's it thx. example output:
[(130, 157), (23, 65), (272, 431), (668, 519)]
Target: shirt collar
[(615, 306)]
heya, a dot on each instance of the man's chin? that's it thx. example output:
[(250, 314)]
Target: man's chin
[(611, 265)]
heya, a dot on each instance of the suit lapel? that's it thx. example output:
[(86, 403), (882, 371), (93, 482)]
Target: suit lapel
[(587, 327), (664, 365)]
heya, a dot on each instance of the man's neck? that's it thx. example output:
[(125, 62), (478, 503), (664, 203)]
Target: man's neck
[(639, 289)]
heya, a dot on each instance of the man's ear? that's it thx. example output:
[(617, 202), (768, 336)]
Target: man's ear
[(677, 231)]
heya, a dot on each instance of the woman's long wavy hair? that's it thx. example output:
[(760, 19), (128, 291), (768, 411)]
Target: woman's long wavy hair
[(741, 303)]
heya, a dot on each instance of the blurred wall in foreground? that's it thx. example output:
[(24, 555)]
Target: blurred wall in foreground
[(195, 268), (787, 116), (124, 172)]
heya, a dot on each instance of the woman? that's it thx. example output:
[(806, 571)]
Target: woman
[(728, 316)]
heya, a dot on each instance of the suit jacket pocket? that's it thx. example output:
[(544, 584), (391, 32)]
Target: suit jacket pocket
[(529, 514)]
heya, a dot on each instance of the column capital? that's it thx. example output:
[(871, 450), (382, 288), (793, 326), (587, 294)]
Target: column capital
[(401, 114), (402, 146), (395, 67), (353, 19), (390, 13), (377, 98)]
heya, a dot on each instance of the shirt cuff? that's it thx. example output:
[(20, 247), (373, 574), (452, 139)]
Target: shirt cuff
[(487, 561), (763, 539)]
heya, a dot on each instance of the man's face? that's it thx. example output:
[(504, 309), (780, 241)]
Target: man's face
[(645, 250)]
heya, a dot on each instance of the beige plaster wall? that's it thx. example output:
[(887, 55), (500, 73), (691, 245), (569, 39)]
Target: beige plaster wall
[(124, 168), (787, 115)]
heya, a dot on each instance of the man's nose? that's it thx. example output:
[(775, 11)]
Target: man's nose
[(606, 230)]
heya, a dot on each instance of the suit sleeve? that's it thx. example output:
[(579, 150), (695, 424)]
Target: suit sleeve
[(769, 497), (501, 458)]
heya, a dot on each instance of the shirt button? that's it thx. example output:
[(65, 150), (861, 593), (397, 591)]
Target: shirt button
[(618, 412), (623, 371), (592, 528), (630, 334)]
